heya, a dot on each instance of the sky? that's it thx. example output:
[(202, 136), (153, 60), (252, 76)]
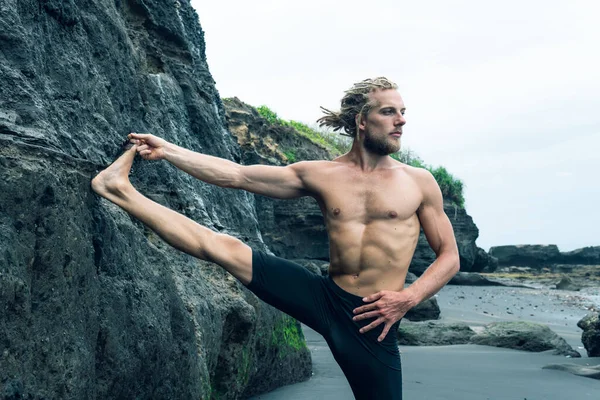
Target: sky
[(504, 95)]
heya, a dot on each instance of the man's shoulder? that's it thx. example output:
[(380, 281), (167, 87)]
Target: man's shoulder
[(314, 165), (420, 175)]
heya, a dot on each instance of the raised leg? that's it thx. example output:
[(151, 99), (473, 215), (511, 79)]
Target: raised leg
[(176, 229)]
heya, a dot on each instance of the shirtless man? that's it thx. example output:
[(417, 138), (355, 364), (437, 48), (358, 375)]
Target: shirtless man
[(373, 207)]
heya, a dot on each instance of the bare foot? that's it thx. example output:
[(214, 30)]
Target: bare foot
[(114, 180)]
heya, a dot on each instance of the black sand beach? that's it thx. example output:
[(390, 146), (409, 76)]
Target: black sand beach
[(471, 372)]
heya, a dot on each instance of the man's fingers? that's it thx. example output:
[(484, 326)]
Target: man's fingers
[(362, 309), (372, 325), (373, 297), (385, 332), (371, 314), (134, 135)]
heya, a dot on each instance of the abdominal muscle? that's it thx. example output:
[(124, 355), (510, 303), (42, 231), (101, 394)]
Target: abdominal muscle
[(368, 258)]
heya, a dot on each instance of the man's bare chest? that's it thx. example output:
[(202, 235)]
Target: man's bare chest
[(369, 198)]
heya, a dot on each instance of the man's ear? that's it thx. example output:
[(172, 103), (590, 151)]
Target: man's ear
[(360, 121)]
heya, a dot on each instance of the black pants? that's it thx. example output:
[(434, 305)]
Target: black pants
[(372, 368)]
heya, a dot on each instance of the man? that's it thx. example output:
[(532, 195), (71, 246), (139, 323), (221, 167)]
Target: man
[(373, 207)]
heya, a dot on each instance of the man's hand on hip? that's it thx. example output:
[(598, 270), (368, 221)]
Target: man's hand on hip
[(387, 306)]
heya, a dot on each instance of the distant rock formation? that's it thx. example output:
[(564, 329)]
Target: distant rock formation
[(525, 255), (540, 256)]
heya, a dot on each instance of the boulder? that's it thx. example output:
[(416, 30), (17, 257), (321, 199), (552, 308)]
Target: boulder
[(566, 283), (591, 333), (522, 335), (425, 311), (484, 262), (472, 279), (433, 334)]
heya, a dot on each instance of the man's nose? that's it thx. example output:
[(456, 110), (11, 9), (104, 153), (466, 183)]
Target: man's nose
[(400, 120)]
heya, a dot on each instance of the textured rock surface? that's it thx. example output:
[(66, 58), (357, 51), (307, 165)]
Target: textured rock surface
[(433, 334), (95, 305), (522, 335), (425, 311), (591, 333)]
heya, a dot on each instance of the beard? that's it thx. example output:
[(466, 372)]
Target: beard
[(382, 146)]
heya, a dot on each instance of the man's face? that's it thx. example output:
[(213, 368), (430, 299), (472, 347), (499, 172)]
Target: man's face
[(383, 124)]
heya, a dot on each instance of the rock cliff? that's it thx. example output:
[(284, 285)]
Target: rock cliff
[(93, 304)]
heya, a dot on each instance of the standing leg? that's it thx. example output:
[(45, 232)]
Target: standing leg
[(177, 230)]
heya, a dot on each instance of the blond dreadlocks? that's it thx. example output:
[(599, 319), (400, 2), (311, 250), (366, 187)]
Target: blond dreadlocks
[(355, 101)]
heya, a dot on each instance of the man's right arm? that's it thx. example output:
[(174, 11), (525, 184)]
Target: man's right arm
[(279, 182)]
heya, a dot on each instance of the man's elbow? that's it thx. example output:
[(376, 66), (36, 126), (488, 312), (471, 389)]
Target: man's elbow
[(453, 262)]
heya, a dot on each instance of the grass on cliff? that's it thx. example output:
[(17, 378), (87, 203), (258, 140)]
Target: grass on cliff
[(330, 141), (451, 187)]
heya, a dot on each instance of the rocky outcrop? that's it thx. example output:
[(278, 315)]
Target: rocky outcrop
[(522, 335), (583, 256), (466, 233), (433, 334), (293, 229), (484, 262), (541, 256), (93, 304), (536, 256), (591, 333)]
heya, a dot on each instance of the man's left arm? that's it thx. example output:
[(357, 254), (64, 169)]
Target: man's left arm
[(440, 235), (388, 307)]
